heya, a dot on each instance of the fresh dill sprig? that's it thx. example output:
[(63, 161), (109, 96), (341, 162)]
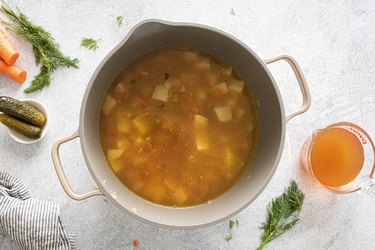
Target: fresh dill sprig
[(231, 224), (45, 48), (90, 43), (229, 237), (119, 20), (282, 213), (230, 227)]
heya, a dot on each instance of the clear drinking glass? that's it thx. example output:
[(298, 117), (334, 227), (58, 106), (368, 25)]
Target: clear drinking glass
[(365, 179)]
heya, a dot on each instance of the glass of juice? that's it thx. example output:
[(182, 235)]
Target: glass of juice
[(340, 157)]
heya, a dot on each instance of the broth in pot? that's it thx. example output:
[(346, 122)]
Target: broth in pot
[(178, 127)]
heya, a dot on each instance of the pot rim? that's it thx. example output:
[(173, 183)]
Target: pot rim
[(82, 134)]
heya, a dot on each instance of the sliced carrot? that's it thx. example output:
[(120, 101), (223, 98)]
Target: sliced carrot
[(7, 51), (17, 74), (135, 243)]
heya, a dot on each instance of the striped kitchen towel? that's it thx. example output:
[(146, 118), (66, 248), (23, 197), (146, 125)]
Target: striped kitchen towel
[(32, 223)]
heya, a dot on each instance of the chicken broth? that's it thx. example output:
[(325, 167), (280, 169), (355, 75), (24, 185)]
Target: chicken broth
[(178, 127)]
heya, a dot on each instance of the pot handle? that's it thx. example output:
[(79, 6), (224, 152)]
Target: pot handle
[(301, 81), (61, 174)]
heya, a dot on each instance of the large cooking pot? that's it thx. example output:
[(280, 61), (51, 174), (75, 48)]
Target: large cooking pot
[(154, 34)]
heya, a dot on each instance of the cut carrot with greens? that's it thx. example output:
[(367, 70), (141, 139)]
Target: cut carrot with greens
[(17, 74), (7, 51)]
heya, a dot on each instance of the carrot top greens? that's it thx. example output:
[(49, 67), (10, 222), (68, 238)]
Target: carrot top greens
[(45, 48)]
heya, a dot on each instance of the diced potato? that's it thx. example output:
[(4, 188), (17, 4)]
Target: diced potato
[(224, 113), (108, 105), (203, 63), (141, 125), (120, 88), (116, 165), (113, 154), (160, 93), (228, 71), (155, 192), (189, 55), (200, 121), (123, 143), (229, 158), (179, 196), (123, 124), (236, 86), (201, 142), (221, 88)]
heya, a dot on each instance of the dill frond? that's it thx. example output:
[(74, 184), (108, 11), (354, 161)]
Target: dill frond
[(282, 213), (45, 48), (90, 43), (119, 20)]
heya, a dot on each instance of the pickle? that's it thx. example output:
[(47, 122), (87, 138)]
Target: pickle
[(22, 110), (28, 130)]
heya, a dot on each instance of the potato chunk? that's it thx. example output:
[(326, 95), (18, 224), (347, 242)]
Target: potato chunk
[(236, 86), (160, 93), (201, 142), (113, 154), (108, 105), (224, 113), (180, 196), (221, 88), (200, 121)]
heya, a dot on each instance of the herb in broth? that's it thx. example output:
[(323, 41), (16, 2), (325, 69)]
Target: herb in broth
[(181, 140)]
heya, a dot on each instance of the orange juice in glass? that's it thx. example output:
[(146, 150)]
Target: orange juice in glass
[(340, 158)]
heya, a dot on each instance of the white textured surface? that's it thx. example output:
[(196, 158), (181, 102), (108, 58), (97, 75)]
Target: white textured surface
[(333, 42)]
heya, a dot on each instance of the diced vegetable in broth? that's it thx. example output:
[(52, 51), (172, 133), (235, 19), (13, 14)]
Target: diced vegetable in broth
[(123, 143), (224, 114), (113, 154), (123, 124), (178, 127), (201, 142), (180, 196), (108, 105), (120, 88), (160, 93), (203, 64), (236, 85), (141, 125), (220, 88), (200, 121)]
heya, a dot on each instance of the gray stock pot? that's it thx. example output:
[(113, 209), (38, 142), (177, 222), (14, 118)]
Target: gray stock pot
[(148, 36)]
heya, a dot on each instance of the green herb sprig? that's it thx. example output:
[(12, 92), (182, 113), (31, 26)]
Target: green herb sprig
[(45, 48), (230, 228), (283, 212), (119, 20), (90, 43)]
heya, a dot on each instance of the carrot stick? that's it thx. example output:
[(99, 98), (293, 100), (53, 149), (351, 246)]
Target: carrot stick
[(17, 74), (7, 51)]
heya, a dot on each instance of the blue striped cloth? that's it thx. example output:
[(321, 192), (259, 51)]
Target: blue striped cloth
[(32, 223)]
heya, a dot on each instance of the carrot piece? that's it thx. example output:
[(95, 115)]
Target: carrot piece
[(17, 74), (135, 243), (7, 51)]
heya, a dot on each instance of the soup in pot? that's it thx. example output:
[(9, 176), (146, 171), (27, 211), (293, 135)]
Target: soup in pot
[(178, 127)]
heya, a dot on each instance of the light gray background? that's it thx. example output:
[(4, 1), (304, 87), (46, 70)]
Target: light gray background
[(334, 44)]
